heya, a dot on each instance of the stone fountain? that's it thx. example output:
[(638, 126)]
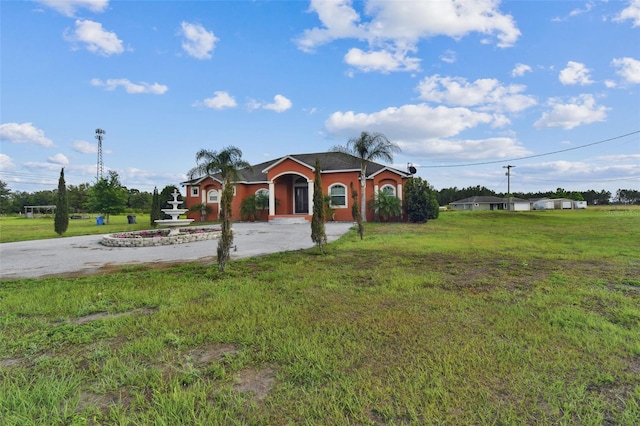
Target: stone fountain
[(174, 223)]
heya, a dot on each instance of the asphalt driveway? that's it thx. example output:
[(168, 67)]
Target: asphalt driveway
[(85, 255)]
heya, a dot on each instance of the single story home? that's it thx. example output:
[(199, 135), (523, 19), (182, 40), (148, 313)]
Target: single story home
[(479, 202), (487, 202), (289, 184)]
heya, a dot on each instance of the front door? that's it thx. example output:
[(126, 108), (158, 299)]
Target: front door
[(301, 200)]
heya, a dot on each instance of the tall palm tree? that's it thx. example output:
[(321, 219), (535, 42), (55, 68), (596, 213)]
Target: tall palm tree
[(227, 164), (368, 147)]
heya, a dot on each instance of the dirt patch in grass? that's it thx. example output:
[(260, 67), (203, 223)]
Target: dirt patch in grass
[(105, 315), (102, 402), (12, 362), (210, 353), (257, 381)]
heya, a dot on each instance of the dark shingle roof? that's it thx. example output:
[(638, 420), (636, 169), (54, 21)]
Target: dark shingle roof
[(480, 199), (329, 162)]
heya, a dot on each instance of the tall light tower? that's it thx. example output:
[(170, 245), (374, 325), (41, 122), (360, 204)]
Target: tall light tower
[(100, 168)]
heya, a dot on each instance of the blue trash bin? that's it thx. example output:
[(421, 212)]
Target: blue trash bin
[(99, 220)]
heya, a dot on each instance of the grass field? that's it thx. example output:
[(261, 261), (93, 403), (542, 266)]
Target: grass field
[(19, 228), (474, 318)]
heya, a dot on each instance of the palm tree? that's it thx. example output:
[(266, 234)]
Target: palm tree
[(386, 205), (368, 147), (202, 208), (226, 164)]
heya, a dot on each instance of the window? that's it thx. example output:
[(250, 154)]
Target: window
[(338, 193), (194, 191), (212, 196), (389, 189), (262, 193)]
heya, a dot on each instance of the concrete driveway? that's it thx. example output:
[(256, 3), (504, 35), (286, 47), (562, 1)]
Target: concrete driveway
[(85, 255)]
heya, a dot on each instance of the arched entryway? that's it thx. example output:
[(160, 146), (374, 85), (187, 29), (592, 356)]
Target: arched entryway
[(290, 195)]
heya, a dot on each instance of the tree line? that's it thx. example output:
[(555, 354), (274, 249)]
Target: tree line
[(79, 198), (592, 197)]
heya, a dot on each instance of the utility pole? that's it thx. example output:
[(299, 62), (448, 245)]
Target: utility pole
[(100, 166), (508, 167)]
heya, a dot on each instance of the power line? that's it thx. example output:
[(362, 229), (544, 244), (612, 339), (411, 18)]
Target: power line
[(535, 155), (581, 181)]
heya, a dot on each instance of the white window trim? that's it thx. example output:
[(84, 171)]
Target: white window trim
[(217, 196), (393, 189), (346, 196), (195, 191)]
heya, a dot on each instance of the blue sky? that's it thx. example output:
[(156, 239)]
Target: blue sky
[(464, 88)]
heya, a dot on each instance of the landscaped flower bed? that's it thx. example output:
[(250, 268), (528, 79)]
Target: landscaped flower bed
[(159, 237)]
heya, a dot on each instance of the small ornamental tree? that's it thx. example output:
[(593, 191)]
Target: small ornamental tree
[(61, 220), (155, 208), (355, 210), (318, 234)]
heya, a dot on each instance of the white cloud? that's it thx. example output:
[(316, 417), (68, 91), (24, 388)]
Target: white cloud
[(339, 21), (220, 100), (6, 163), (628, 69), (198, 42), (486, 93), (395, 28), (580, 110), (85, 147), (463, 149), (96, 39), (133, 88), (383, 61), (631, 12), (520, 69), (280, 104), (575, 73), (24, 133), (408, 121), (69, 7), (587, 8), (449, 56), (59, 158)]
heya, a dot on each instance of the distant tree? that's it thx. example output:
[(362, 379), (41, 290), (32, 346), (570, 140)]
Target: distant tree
[(4, 197), (139, 200), (155, 212), (42, 198), (421, 202), (627, 196), (17, 201), (355, 214), (61, 218), (78, 197), (226, 163), (386, 205), (318, 234), (108, 196), (368, 147)]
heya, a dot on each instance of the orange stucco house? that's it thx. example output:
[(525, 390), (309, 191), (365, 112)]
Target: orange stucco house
[(288, 181)]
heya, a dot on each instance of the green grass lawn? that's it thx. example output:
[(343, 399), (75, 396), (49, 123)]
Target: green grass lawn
[(20, 228), (474, 318)]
